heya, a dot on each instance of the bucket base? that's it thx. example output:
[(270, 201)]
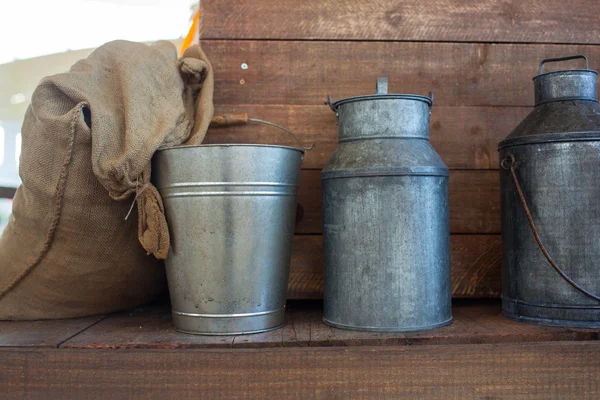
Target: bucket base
[(228, 324), (387, 329), (561, 316)]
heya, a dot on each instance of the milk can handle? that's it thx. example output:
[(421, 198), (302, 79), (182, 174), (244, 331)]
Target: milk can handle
[(547, 60), (509, 164), (242, 119)]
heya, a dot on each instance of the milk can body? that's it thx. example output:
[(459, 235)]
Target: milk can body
[(554, 157), (386, 222)]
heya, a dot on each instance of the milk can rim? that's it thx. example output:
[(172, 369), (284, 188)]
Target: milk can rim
[(230, 145), (564, 72)]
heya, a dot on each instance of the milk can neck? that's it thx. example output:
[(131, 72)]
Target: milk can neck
[(383, 119), (382, 115), (566, 85)]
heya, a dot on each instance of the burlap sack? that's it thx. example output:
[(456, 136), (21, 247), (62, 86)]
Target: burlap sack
[(88, 138)]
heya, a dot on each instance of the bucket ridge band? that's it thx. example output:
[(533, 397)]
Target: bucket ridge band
[(195, 189), (235, 315)]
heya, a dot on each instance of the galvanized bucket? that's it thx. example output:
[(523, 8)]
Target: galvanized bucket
[(549, 177), (385, 214), (231, 213)]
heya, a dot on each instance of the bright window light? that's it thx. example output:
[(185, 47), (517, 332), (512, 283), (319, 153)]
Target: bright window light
[(1, 146), (17, 98), (81, 24)]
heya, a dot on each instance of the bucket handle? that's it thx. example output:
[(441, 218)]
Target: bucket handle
[(547, 60), (509, 164), (242, 119)]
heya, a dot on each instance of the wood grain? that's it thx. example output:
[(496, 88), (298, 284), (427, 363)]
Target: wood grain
[(489, 371), (465, 137), (480, 355), (152, 328), (306, 269), (475, 266), (144, 327), (480, 322), (49, 333), (474, 322), (474, 202), (459, 74), (537, 21)]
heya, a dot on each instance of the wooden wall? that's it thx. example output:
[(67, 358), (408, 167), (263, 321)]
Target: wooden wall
[(477, 56)]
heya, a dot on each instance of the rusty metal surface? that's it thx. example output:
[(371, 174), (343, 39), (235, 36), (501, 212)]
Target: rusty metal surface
[(386, 221), (556, 161), (509, 164)]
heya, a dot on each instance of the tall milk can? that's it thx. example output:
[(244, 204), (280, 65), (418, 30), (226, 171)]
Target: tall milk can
[(550, 190), (385, 216)]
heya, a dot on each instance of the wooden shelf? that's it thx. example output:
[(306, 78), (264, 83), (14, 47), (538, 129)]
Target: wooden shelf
[(475, 322), (137, 354)]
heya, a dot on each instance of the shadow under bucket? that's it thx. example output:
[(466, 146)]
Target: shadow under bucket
[(231, 214)]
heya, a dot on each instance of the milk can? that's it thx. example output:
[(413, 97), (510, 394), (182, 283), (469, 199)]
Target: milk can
[(385, 216), (550, 185)]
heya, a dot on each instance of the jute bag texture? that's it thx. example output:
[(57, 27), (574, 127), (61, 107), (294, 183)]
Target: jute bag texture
[(88, 139)]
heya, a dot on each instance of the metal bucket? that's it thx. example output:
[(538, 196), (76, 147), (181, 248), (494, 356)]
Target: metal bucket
[(231, 214), (549, 177), (386, 221)]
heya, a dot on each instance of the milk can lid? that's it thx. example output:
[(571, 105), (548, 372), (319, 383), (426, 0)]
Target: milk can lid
[(381, 94), (572, 84)]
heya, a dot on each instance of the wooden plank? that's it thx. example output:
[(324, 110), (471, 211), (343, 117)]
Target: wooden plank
[(152, 327), (459, 74), (322, 335), (295, 332), (474, 322), (143, 327), (326, 336), (306, 269), (465, 137), (480, 322), (538, 21), (474, 202), (310, 200), (531, 370), (476, 262), (49, 333), (475, 267)]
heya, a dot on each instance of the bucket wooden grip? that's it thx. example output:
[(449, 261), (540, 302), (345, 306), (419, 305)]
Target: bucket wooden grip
[(229, 120)]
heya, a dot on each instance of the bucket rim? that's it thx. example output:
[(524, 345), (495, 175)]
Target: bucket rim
[(373, 97), (230, 145)]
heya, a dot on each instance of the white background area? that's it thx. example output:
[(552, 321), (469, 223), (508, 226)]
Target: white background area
[(33, 28)]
